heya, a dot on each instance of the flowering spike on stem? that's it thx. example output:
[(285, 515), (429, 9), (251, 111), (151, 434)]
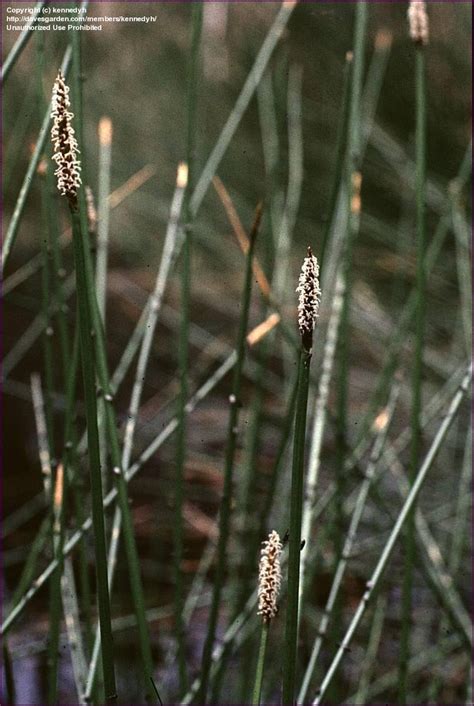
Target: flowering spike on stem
[(309, 298), (418, 22), (269, 577), (65, 147)]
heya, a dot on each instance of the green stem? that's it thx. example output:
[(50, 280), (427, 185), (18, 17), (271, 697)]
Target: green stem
[(352, 166), (110, 417), (55, 600), (48, 357), (261, 531), (296, 510), (183, 357), (225, 509), (340, 157), (43, 135), (373, 583), (21, 42), (257, 689), (73, 478), (35, 552), (88, 372), (420, 147)]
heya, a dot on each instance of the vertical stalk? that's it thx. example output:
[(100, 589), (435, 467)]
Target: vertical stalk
[(257, 689), (353, 180), (55, 595), (88, 373), (47, 407), (225, 509), (183, 355), (110, 418), (48, 353), (341, 142), (296, 509), (420, 147)]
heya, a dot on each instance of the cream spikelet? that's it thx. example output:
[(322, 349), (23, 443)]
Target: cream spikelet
[(418, 22), (64, 141), (269, 576), (309, 298)]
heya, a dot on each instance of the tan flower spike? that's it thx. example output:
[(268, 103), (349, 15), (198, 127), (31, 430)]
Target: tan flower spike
[(64, 142), (269, 577), (418, 22), (309, 298)]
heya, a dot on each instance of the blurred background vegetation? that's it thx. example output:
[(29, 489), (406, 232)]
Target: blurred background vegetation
[(136, 75)]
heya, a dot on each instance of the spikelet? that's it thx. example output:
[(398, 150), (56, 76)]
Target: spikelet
[(418, 22), (309, 298), (64, 142), (269, 577)]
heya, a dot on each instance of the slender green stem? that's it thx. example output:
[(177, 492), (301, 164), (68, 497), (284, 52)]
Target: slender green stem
[(48, 332), (341, 142), (8, 679), (144, 333), (55, 590), (253, 79), (319, 420), (329, 609), (73, 479), (29, 567), (353, 142), (416, 426), (183, 356), (110, 417), (121, 486), (262, 531), (12, 229), (257, 689), (21, 42), (373, 583), (54, 530), (225, 509), (88, 372), (369, 663), (111, 496), (296, 510)]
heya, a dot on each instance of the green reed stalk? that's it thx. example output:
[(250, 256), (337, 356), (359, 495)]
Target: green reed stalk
[(145, 456), (261, 530), (373, 584), (454, 548), (296, 510), (341, 142), (225, 509), (183, 348), (88, 372), (369, 664), (257, 689), (329, 608), (72, 478), (37, 547), (8, 678), (308, 309), (55, 586), (420, 147), (21, 42), (13, 226), (48, 332), (352, 176), (110, 417)]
